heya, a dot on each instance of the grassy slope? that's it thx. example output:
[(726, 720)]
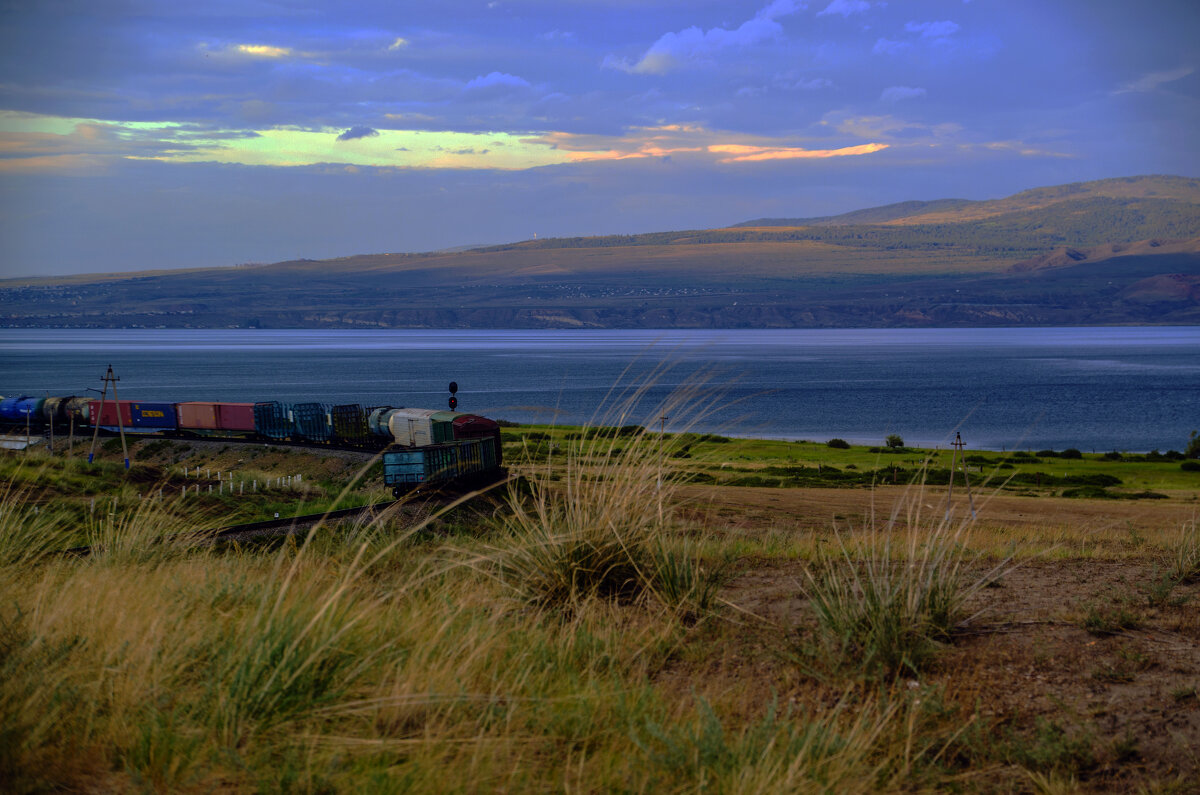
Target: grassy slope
[(732, 459), (398, 661)]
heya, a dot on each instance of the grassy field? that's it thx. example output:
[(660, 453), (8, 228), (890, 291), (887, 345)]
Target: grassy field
[(626, 618), (760, 462)]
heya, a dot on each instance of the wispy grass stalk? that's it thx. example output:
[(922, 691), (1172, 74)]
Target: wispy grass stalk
[(595, 520), (887, 599)]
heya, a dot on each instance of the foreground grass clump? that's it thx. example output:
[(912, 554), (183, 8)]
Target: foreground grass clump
[(597, 522), (886, 599)]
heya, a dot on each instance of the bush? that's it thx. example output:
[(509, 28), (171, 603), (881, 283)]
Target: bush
[(1070, 452), (1047, 454), (838, 444), (894, 441), (1193, 447), (1190, 466), (885, 611)]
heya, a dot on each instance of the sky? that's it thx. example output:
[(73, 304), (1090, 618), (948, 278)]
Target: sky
[(145, 134)]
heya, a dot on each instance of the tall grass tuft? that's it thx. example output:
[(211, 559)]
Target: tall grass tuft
[(1184, 554), (848, 748), (30, 530), (887, 599), (152, 530), (595, 520)]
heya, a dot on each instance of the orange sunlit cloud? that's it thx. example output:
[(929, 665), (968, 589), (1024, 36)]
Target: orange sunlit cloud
[(673, 139), (741, 153)]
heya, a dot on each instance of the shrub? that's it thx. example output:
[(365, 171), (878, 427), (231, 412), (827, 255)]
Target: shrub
[(1184, 554), (1047, 454), (894, 441), (599, 531), (1190, 466), (839, 444), (1070, 452), (886, 610)]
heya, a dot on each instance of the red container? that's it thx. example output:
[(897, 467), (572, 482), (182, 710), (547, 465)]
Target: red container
[(235, 416), (472, 426), (106, 416), (197, 416)]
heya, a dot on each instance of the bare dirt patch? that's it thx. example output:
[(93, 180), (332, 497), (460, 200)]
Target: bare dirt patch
[(1081, 664), (1114, 707)]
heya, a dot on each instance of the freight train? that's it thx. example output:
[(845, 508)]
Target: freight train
[(420, 445)]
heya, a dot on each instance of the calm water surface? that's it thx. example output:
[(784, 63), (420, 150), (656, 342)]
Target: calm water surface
[(1092, 388)]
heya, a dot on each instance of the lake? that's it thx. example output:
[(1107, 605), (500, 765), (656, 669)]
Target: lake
[(1131, 389)]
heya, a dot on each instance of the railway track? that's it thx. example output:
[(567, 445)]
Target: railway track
[(293, 525)]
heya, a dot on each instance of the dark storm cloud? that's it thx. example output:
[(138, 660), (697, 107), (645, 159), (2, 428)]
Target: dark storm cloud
[(358, 131)]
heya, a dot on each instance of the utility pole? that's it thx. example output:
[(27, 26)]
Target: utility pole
[(108, 378), (958, 454)]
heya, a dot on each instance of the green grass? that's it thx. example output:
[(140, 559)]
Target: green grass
[(778, 463)]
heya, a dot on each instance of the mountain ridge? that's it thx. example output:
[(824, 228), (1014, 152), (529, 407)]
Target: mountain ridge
[(1063, 255)]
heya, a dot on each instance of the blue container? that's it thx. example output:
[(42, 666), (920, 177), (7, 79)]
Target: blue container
[(273, 420), (16, 409), (404, 469), (153, 415)]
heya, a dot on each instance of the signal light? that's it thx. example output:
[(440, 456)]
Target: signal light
[(453, 402)]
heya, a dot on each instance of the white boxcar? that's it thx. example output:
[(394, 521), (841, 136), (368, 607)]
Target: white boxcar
[(419, 428)]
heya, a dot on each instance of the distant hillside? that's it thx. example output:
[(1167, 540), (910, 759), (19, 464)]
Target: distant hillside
[(1123, 191), (1111, 252), (1020, 226)]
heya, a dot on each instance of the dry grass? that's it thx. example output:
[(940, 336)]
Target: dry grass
[(575, 642)]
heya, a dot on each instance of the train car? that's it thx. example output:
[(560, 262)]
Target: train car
[(312, 421), (134, 416), (273, 420), (197, 418), (463, 461), (224, 420), (54, 410), (472, 426), (77, 410), (419, 427), (22, 410), (236, 419), (352, 427)]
